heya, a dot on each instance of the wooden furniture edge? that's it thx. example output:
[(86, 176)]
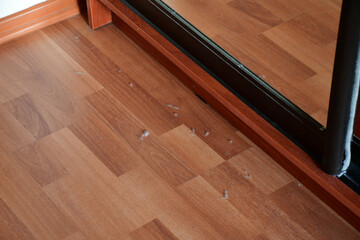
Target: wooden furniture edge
[(328, 188), (36, 17), (98, 14)]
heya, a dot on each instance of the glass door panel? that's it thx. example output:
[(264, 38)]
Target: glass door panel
[(289, 44)]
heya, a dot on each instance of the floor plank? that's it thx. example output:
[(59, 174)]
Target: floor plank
[(55, 103), (256, 11), (299, 205), (87, 195), (150, 149), (10, 226), (192, 151), (167, 206), (12, 134), (259, 169), (117, 82), (216, 208), (250, 201), (8, 90), (154, 230), (40, 162), (30, 203), (25, 111), (112, 150)]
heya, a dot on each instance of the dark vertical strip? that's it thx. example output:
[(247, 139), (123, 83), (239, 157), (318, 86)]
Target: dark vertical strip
[(344, 90)]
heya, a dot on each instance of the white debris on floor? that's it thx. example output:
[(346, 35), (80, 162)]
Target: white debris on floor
[(193, 131), (226, 196), (172, 106), (175, 114), (247, 174), (144, 135), (230, 141), (80, 73), (206, 133), (131, 84)]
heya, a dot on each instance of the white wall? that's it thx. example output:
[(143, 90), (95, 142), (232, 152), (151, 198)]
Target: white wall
[(8, 7)]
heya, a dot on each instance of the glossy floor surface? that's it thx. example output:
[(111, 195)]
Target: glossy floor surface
[(99, 141), (290, 44)]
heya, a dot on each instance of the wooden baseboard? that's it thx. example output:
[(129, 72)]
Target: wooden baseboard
[(36, 17), (328, 188)]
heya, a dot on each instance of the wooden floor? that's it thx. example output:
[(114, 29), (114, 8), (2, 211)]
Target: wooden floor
[(75, 162), (289, 44)]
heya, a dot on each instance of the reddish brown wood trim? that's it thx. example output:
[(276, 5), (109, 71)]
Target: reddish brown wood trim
[(331, 190), (36, 17), (98, 14)]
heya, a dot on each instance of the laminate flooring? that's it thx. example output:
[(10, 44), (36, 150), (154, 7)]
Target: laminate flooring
[(290, 44), (99, 141)]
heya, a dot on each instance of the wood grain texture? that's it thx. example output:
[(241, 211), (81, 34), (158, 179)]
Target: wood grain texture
[(87, 195), (9, 90), (32, 206), (256, 11), (159, 89), (216, 209), (13, 134), (92, 177), (154, 94), (247, 198), (297, 203), (167, 165), (76, 236), (154, 230), (40, 162), (54, 86), (272, 78), (10, 226), (111, 149), (193, 152), (98, 14), (292, 40), (256, 166), (25, 111), (276, 59), (36, 17), (287, 154), (166, 205)]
